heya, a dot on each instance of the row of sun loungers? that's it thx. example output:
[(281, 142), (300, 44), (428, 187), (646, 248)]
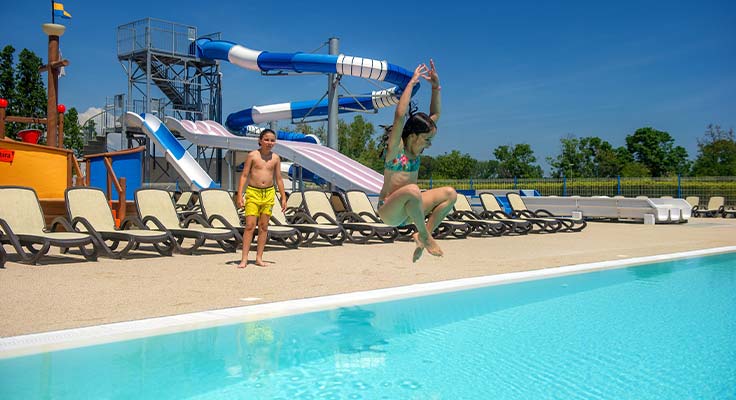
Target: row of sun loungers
[(184, 227)]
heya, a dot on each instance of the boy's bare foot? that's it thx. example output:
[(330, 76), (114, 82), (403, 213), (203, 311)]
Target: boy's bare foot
[(243, 264), (260, 263)]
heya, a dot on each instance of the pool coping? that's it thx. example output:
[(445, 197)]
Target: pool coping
[(15, 346)]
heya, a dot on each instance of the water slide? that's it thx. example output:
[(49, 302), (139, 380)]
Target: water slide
[(183, 162), (329, 164), (264, 61)]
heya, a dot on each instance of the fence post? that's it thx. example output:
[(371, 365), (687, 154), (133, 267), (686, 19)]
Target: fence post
[(618, 185), (564, 186), (430, 182), (515, 182), (679, 186), (471, 183)]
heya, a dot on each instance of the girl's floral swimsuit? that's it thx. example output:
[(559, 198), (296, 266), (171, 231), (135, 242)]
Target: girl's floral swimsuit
[(400, 163)]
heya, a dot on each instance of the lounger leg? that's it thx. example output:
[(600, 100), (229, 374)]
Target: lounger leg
[(3, 256)]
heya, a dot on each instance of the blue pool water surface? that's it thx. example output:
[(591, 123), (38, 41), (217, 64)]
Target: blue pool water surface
[(659, 331)]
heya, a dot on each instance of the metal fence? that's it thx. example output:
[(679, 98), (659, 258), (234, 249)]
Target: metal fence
[(155, 34), (678, 187)]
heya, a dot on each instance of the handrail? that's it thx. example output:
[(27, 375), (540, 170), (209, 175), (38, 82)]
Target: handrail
[(120, 186), (81, 179)]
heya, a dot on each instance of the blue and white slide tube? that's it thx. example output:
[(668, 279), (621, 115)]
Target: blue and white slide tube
[(187, 167), (264, 61)]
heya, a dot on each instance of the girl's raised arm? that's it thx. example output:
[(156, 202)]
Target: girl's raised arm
[(401, 109)]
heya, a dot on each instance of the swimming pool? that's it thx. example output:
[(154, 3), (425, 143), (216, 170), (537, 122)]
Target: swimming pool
[(659, 331)]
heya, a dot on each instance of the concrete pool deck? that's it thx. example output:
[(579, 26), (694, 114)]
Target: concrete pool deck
[(67, 292)]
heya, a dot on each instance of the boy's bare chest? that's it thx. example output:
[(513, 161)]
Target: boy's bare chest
[(264, 162)]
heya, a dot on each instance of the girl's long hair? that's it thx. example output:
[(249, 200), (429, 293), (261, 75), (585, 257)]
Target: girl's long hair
[(417, 123)]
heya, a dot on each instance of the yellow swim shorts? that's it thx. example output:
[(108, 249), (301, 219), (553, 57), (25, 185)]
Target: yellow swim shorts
[(259, 200)]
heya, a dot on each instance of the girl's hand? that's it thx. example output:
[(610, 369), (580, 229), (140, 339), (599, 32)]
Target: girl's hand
[(433, 78), (419, 72)]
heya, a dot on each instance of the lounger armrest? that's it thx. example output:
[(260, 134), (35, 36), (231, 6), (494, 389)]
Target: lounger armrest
[(84, 222), (301, 217), (151, 218), (196, 218), (366, 214), (523, 213), (5, 229), (542, 213), (349, 216), (132, 220), (491, 214), (221, 219), (325, 216), (64, 224)]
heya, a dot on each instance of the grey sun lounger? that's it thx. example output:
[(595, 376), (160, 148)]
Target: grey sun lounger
[(569, 224), (156, 210), (317, 207), (89, 212), (714, 208), (465, 212), (492, 209), (22, 225), (220, 212), (311, 231), (358, 203)]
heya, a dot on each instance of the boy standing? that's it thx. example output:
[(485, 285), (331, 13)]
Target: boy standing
[(262, 168)]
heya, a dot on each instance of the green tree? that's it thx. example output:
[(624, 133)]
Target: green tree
[(7, 80), (356, 137), (657, 152), (716, 153), (28, 82), (7, 87), (517, 161), (73, 132), (307, 129), (453, 166), (585, 157), (485, 170), (426, 166)]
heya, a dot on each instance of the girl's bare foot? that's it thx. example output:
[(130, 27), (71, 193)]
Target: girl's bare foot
[(432, 247), (419, 250)]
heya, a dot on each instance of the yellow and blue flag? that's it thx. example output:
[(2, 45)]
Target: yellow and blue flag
[(60, 12)]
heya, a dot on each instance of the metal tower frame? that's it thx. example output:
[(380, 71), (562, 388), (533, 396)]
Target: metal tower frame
[(165, 78)]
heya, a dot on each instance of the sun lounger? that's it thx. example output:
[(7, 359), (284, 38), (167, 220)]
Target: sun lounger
[(694, 202), (730, 212), (220, 212), (492, 209), (713, 209), (89, 212), (157, 211), (465, 212), (569, 223), (310, 230), (317, 206), (22, 225), (359, 203), (615, 209)]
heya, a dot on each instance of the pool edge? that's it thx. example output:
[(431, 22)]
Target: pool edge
[(15, 346)]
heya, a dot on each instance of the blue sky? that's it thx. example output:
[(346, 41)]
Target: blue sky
[(511, 73)]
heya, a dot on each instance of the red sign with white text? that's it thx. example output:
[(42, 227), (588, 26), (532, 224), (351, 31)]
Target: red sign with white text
[(7, 155)]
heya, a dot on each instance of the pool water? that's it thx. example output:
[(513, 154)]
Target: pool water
[(659, 331)]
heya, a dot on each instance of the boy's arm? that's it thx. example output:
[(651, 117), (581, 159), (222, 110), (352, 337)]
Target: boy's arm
[(243, 180), (279, 181)]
